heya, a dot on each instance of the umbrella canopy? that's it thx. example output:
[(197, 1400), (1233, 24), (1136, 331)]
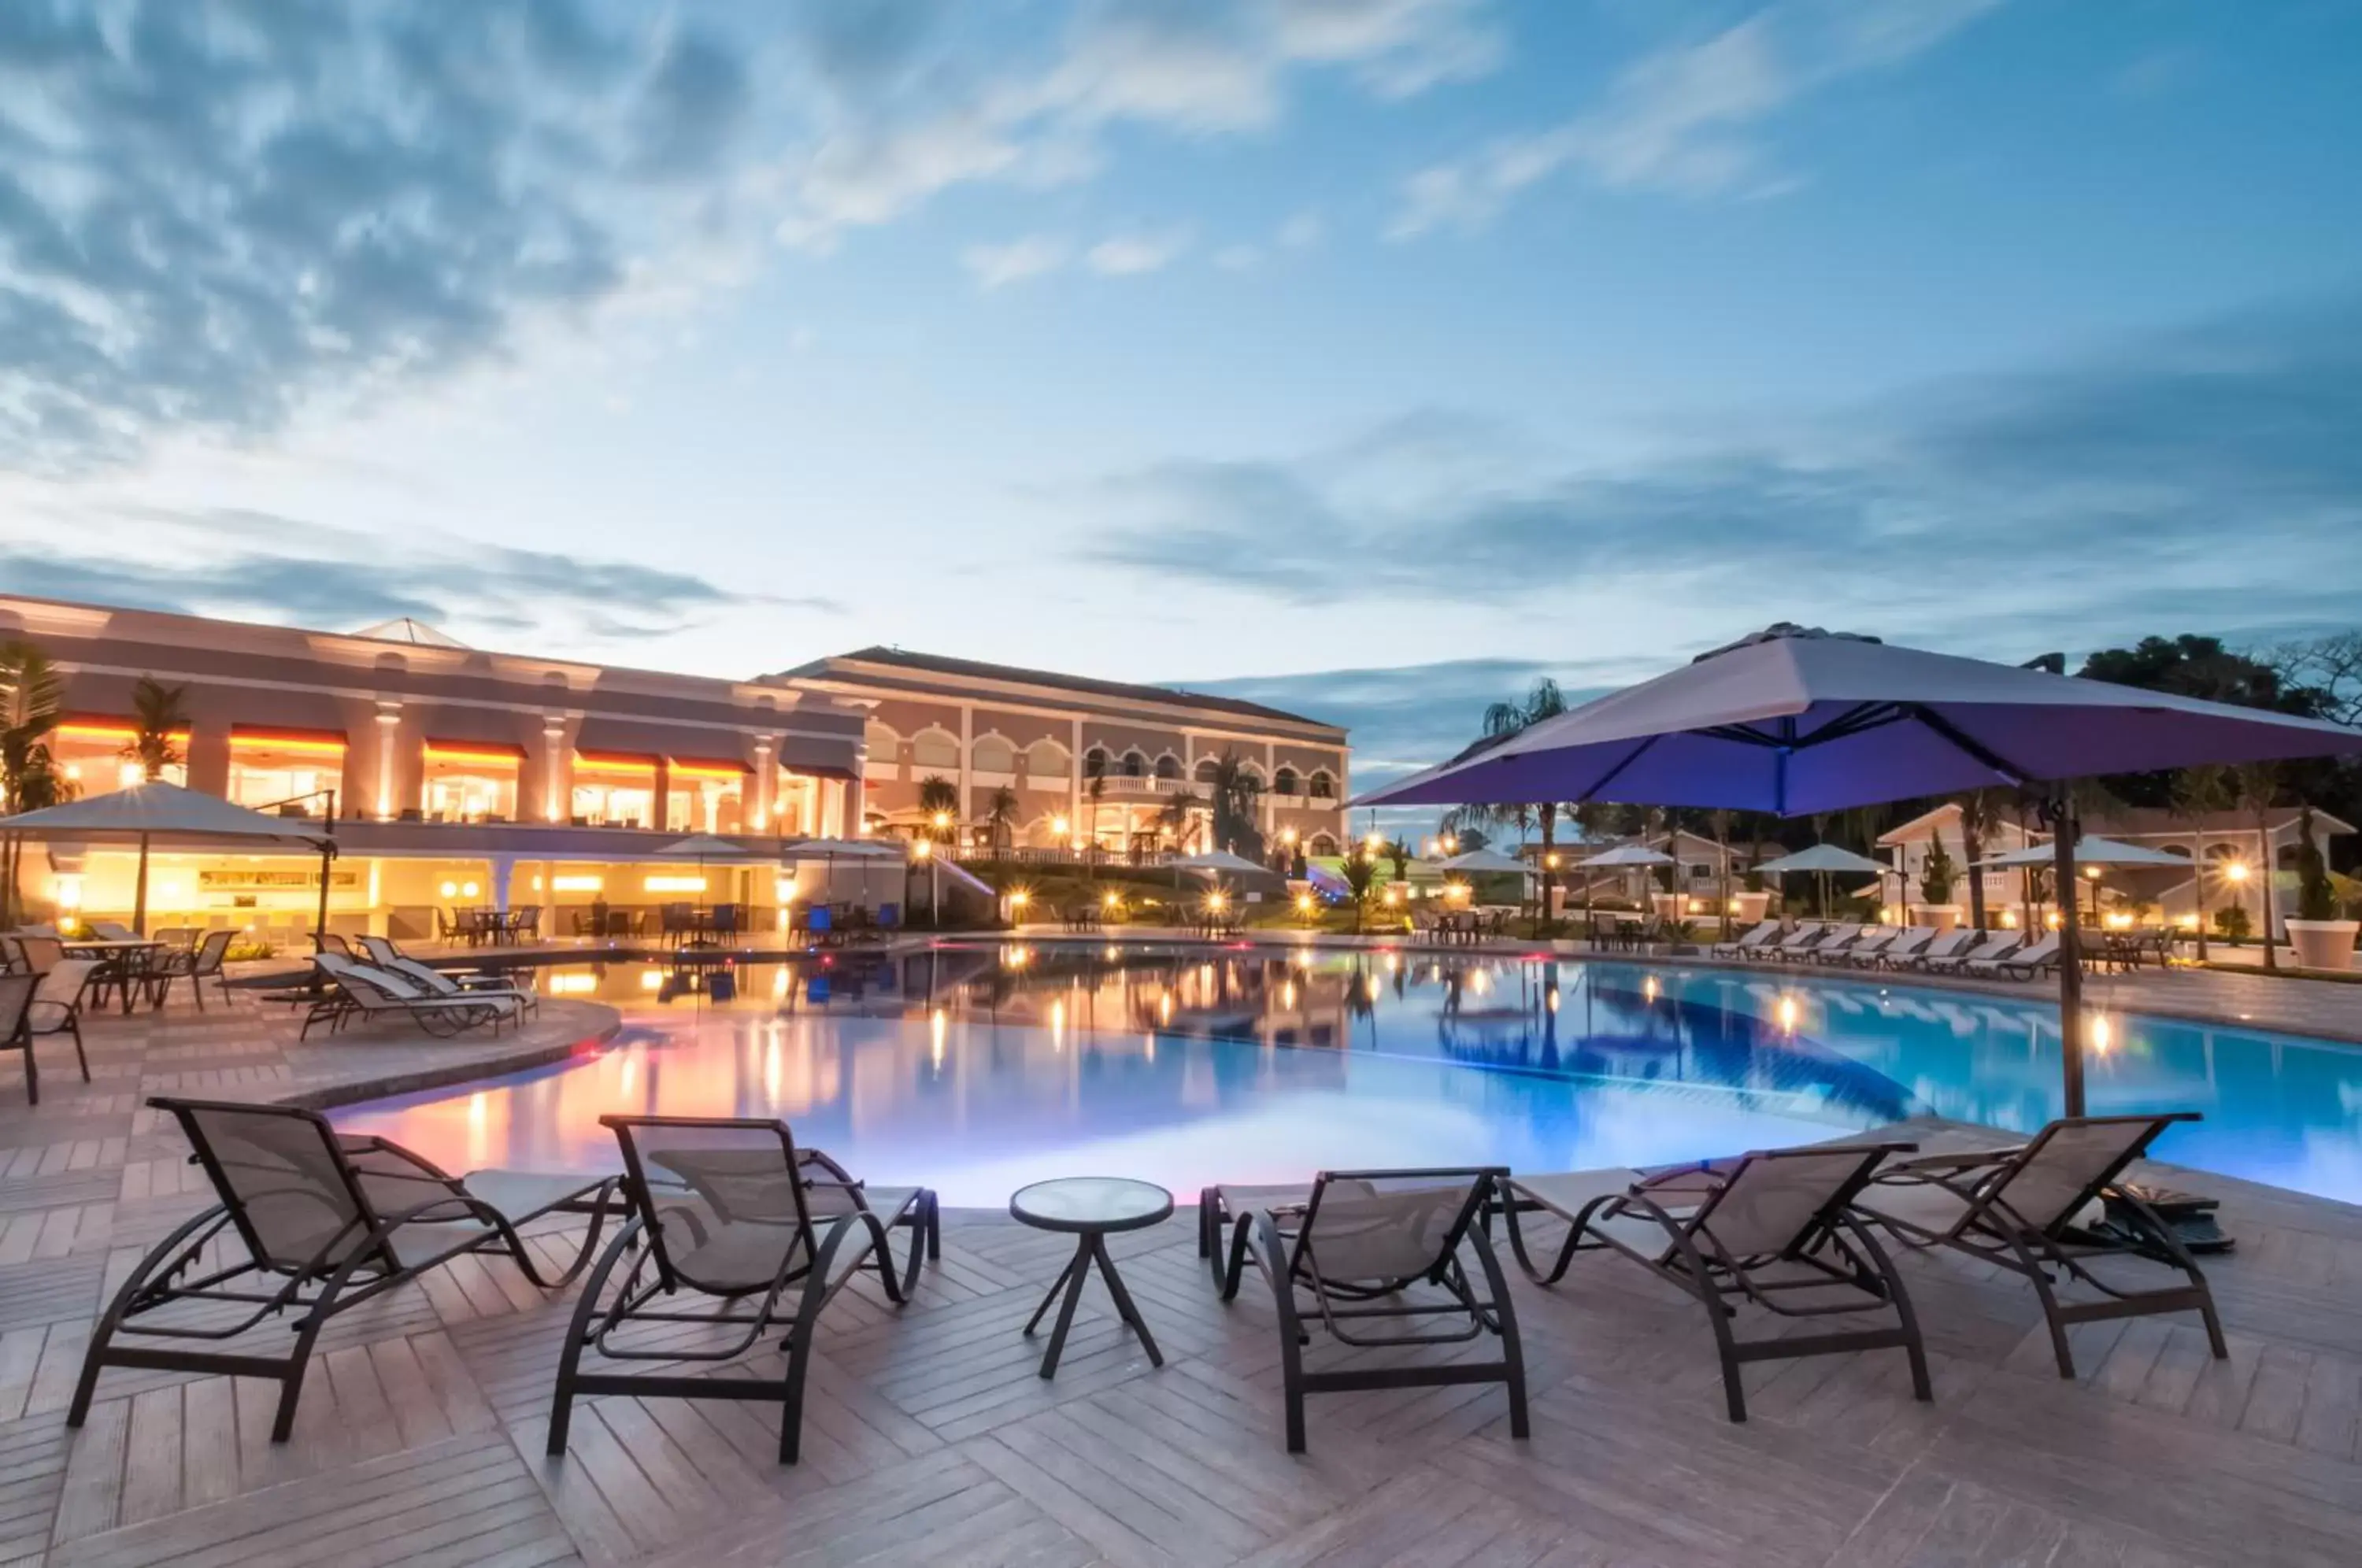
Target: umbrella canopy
[(155, 810), (1827, 858), (1216, 861), (2088, 851), (1793, 721), (707, 846), (1627, 854), (1484, 861), (837, 848)]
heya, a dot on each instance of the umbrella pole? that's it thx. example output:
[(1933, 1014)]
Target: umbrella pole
[(139, 898), (2070, 954)]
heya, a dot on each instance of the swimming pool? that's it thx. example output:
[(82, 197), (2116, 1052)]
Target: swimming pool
[(977, 1067)]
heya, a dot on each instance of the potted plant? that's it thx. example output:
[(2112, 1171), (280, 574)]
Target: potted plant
[(2321, 940), (1935, 875)]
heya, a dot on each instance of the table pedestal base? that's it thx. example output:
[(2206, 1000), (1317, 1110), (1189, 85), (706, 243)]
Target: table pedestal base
[(1089, 1249)]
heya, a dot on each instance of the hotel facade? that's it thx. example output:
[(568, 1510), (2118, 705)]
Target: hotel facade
[(1088, 762), (460, 777)]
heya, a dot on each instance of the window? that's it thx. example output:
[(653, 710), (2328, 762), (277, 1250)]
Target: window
[(1168, 766), (1283, 782), (884, 745), (1045, 759), (1322, 843), (1324, 787), (992, 754), (934, 748), (266, 782), (1701, 872), (456, 794), (1135, 765), (1096, 763), (1207, 769)]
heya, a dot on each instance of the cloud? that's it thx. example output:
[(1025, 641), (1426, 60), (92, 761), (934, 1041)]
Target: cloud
[(997, 265), (2188, 477), (241, 563), (957, 108), (1683, 118), (214, 216), (1127, 255)]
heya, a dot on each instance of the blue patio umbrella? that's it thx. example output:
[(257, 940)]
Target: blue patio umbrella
[(1793, 721)]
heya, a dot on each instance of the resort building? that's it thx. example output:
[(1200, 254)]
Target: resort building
[(2232, 846), (1082, 761), (455, 777)]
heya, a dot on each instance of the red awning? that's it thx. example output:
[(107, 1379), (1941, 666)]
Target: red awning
[(503, 751), (616, 761), (262, 736)]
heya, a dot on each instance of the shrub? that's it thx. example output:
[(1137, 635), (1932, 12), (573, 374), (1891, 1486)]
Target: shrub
[(1935, 875), (2233, 923), (2315, 899), (247, 946)]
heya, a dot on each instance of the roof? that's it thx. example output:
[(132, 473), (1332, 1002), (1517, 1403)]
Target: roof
[(403, 629), (2130, 822), (979, 670)]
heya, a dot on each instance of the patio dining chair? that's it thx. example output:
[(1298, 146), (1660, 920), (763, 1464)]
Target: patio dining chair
[(736, 1230), (2018, 1209), (196, 965), (308, 1223), (1370, 1249), (1772, 1230)]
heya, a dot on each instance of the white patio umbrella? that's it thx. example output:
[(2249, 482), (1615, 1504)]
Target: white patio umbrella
[(1793, 721), (1827, 858), (2090, 855), (1624, 856), (1488, 861), (704, 846), (1215, 862), (156, 810)]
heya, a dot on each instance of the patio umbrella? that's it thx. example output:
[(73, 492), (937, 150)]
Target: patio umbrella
[(2090, 854), (1216, 863), (1825, 858), (705, 847), (1488, 861), (1794, 722), (158, 809), (1625, 857)]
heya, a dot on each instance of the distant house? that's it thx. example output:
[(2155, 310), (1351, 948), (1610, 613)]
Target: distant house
[(2232, 846)]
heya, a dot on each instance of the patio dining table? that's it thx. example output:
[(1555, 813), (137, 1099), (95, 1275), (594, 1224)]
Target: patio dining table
[(124, 961)]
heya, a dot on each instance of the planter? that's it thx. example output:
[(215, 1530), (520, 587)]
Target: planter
[(2323, 943), (1943, 917)]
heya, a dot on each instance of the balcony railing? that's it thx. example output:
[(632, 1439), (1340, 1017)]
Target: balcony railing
[(1124, 786)]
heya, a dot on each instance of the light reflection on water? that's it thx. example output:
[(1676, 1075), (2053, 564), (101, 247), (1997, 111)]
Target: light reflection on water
[(977, 1068)]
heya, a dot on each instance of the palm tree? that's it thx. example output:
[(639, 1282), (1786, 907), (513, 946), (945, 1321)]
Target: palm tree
[(1235, 792), (1503, 719), (2198, 793), (163, 714), (31, 692), (939, 798), (1979, 815), (1175, 818), (1095, 767), (2259, 783), (1000, 817)]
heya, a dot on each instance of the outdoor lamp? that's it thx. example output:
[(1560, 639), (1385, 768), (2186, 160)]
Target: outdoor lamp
[(2234, 871), (942, 819), (1213, 900), (1058, 826), (923, 848), (1017, 899), (1111, 900), (1304, 903)]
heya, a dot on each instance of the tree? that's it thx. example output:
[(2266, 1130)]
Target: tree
[(2328, 670), (163, 714), (1979, 816), (1177, 814), (1719, 822), (31, 692), (2259, 783), (1360, 873), (1236, 793), (1000, 818), (2199, 793), (1936, 873), (1503, 719), (939, 800), (1398, 854)]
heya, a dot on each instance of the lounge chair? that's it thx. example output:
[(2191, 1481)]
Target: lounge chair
[(1991, 945), (766, 1233), (487, 988), (363, 991), (1908, 942), (1772, 1228), (1796, 942), (2021, 964), (310, 1223), (1864, 949), (1358, 1242), (196, 965), (111, 930), (1752, 940), (2016, 1209), (1947, 945)]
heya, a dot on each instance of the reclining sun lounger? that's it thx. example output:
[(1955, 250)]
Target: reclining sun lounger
[(2021, 964), (1753, 941), (1992, 945), (733, 1228), (1946, 947), (2016, 1209), (1908, 943), (310, 1223), (364, 991), (1862, 950), (1806, 933), (1358, 1243), (1772, 1228)]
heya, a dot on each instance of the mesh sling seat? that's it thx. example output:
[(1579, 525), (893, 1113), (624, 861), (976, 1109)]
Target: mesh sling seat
[(1772, 1228), (1357, 1244), (2016, 1209), (310, 1223), (735, 1234), (364, 991)]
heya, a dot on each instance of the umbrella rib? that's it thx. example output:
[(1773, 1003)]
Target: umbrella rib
[(1975, 749), (1615, 772)]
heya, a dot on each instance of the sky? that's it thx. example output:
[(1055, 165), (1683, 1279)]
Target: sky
[(1372, 358)]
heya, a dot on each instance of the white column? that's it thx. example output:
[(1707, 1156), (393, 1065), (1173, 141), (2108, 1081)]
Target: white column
[(389, 738), (967, 735), (1074, 822), (558, 777), (767, 778)]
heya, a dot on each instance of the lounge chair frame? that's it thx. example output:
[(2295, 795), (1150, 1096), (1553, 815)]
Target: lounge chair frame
[(1833, 1249), (1283, 1242), (364, 990), (648, 1274), (356, 1263), (1991, 1230)]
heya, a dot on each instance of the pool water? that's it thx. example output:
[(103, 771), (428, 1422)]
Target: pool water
[(974, 1068)]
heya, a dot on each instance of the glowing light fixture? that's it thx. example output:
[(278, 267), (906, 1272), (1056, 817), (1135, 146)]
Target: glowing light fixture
[(577, 884), (672, 883)]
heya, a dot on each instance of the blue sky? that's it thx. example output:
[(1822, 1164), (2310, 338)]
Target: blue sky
[(1371, 356)]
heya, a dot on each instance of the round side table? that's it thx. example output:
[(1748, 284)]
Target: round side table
[(1091, 1209)]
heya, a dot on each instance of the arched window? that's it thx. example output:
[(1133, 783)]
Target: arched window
[(931, 747), (1207, 769), (884, 745), (1168, 766), (1283, 781), (1324, 786), (1096, 761), (993, 754), (1321, 843), (1045, 759), (1135, 764)]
